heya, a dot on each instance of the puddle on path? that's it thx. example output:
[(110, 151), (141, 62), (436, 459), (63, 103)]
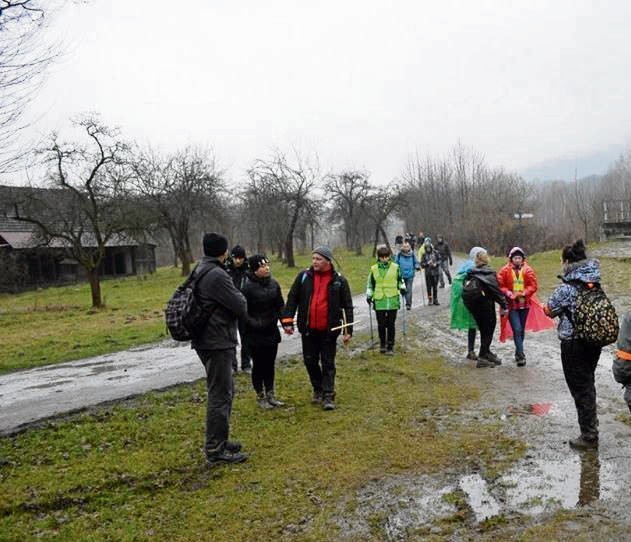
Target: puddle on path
[(536, 409), (49, 385)]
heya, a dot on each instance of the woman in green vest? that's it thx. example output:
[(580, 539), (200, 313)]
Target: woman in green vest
[(382, 291)]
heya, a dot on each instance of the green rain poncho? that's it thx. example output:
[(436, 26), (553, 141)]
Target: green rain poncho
[(461, 318)]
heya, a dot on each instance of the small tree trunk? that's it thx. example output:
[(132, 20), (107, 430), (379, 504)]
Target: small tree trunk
[(95, 288), (289, 251)]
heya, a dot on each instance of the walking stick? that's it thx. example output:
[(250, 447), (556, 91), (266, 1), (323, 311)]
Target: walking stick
[(405, 348), (372, 336)]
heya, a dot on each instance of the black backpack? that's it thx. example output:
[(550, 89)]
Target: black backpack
[(595, 319), (472, 290), (183, 314)]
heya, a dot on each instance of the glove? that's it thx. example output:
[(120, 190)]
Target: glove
[(503, 311), (369, 300)]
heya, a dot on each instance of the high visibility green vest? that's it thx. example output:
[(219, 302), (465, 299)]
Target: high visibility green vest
[(385, 286)]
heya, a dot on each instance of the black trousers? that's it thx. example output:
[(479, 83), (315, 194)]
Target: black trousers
[(431, 281), (220, 392), (385, 326), (483, 313), (471, 339), (263, 367), (579, 361), (246, 356), (318, 351)]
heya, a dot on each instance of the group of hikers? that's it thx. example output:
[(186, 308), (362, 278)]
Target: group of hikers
[(239, 293)]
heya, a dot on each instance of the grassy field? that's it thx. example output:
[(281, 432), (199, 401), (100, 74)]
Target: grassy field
[(52, 325), (135, 470)]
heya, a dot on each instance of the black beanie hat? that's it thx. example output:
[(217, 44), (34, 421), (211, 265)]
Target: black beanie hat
[(237, 251), (215, 244), (254, 262)]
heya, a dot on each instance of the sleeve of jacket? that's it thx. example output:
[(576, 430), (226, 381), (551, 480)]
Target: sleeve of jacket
[(530, 282), (226, 294), (370, 285), (496, 293), (502, 280), (293, 299), (448, 254), (346, 302)]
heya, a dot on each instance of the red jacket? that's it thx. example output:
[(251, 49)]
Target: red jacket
[(319, 307), (505, 279)]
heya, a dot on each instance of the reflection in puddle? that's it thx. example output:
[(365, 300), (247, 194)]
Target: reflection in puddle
[(575, 481), (479, 499)]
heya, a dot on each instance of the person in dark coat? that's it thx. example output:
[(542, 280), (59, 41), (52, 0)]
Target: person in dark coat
[(483, 309), (430, 263), (622, 361), (323, 300), (578, 357), (260, 327), (237, 267), (215, 346), (445, 260)]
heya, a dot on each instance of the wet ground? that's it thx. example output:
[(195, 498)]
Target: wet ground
[(530, 402)]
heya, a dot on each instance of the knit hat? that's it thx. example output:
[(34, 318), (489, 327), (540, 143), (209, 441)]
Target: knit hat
[(428, 241), (323, 251), (474, 251), (215, 244), (237, 251), (516, 251), (256, 261)]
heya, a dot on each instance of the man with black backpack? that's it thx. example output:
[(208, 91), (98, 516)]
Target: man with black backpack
[(587, 322), (215, 343)]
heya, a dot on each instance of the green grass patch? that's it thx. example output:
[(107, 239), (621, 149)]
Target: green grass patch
[(135, 470), (53, 325)]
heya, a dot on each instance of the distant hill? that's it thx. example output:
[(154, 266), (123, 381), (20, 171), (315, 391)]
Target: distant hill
[(596, 163)]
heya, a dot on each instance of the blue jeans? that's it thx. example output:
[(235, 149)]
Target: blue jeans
[(517, 319), (408, 290)]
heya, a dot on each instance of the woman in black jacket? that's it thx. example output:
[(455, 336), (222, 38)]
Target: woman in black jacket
[(482, 306), (261, 334)]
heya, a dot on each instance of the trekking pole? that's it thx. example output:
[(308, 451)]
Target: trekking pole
[(404, 325), (372, 336), (422, 273)]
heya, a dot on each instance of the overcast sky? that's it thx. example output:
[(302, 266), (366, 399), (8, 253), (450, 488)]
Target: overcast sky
[(364, 84)]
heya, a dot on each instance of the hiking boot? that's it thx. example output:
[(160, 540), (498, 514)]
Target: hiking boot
[(261, 400), (382, 349), (472, 356), (520, 359), (246, 370), (317, 398), (389, 352), (232, 446), (436, 302), (441, 285), (484, 362), (581, 443), (225, 457), (272, 400), (328, 404), (429, 299), (408, 307), (493, 358)]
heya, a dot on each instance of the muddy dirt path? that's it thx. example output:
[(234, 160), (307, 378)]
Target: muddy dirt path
[(533, 403)]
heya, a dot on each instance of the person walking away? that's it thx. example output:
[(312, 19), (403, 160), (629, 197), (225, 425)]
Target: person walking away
[(323, 300), (237, 267), (518, 283), (461, 318), (215, 346), (383, 286), (480, 293), (622, 361), (410, 238), (578, 357), (408, 265), (398, 243), (430, 263), (261, 335), (445, 260)]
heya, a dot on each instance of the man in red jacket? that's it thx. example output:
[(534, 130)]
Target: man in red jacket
[(323, 300)]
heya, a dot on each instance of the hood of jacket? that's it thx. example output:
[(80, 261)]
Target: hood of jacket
[(583, 270)]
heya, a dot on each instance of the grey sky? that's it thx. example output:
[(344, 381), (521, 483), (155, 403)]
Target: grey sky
[(362, 83)]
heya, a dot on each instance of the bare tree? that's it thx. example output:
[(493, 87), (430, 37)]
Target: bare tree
[(24, 58), (88, 203), (179, 189), (290, 183), (349, 193), (382, 204)]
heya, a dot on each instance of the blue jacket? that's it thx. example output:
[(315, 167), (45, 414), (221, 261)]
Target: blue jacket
[(407, 263), (563, 299)]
